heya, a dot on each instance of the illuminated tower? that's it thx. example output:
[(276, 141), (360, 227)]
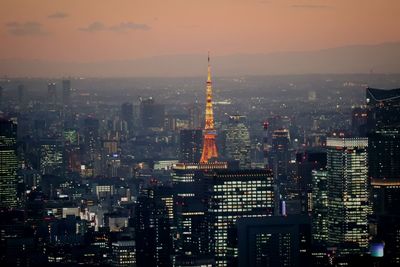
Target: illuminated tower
[(209, 145)]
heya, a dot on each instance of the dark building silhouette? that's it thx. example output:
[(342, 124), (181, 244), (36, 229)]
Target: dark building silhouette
[(127, 114), (274, 241), (280, 155), (190, 145), (152, 114), (152, 230), (66, 92), (383, 108)]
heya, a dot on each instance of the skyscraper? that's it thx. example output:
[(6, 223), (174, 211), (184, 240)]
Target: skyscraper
[(383, 108), (274, 241), (66, 92), (280, 154), (238, 141), (348, 197), (152, 114), (8, 164), (384, 167), (52, 93), (127, 114), (320, 207), (190, 141), (233, 194), (209, 145)]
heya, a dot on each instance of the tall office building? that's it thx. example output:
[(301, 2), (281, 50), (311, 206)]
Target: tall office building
[(66, 92), (51, 156), (152, 114), (383, 108), (238, 141), (91, 134), (190, 145), (152, 230), (320, 207), (274, 241), (192, 242), (8, 164), (266, 146), (233, 194), (127, 114), (123, 254), (280, 154), (52, 93), (347, 174), (384, 168)]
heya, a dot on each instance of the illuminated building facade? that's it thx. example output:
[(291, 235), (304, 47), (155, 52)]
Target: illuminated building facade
[(233, 194), (320, 207), (348, 197), (191, 242), (238, 141), (8, 164), (209, 143), (51, 156), (124, 254)]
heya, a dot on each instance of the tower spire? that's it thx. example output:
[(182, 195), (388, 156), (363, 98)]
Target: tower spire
[(209, 145)]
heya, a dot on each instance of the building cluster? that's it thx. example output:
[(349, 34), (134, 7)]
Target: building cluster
[(140, 186)]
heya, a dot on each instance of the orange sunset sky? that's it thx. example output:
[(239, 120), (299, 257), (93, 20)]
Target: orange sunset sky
[(97, 30)]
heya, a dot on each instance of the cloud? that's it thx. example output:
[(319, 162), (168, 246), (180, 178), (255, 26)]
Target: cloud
[(125, 26), (58, 15), (312, 6), (94, 27), (121, 27), (30, 28)]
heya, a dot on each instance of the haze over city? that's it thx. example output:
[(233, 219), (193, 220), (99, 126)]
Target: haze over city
[(137, 38)]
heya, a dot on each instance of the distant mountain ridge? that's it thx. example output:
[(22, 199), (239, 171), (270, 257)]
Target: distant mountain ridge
[(381, 58)]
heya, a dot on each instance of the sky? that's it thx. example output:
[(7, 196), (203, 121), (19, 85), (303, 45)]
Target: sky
[(101, 30)]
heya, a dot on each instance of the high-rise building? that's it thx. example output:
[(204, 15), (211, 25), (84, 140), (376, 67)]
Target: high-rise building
[(320, 207), (152, 114), (52, 93), (192, 242), (280, 154), (66, 92), (383, 108), (127, 114), (152, 230), (237, 140), (233, 194), (266, 146), (190, 145), (359, 118), (274, 241), (384, 153), (91, 135), (209, 143), (51, 156), (8, 164), (123, 253), (348, 198)]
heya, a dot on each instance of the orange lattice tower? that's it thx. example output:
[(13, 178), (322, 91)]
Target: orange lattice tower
[(209, 146)]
